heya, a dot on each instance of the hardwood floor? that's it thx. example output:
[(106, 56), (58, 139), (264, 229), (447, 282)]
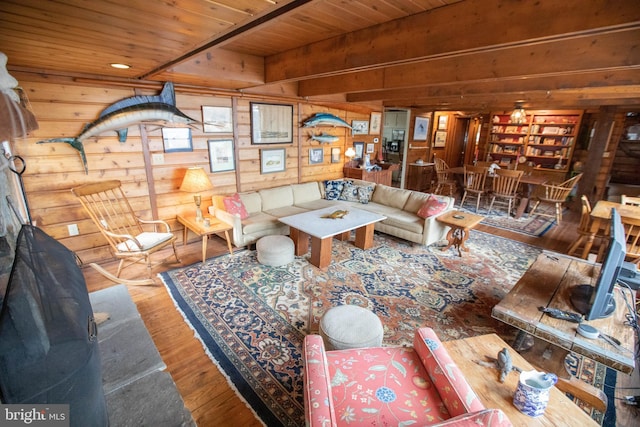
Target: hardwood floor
[(205, 391)]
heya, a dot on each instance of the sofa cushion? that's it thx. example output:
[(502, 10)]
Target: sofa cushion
[(285, 211), (415, 201), (390, 196), (321, 204), (432, 206), (234, 205), (333, 189), (404, 221), (307, 192), (259, 222), (252, 202), (277, 197)]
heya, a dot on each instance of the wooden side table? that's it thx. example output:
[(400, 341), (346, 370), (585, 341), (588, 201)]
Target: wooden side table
[(461, 224), (198, 227), (484, 380)]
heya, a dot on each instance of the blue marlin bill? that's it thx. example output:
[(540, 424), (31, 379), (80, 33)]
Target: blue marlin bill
[(127, 112)]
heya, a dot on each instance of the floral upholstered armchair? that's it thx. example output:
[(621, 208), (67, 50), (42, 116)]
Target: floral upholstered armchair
[(397, 386)]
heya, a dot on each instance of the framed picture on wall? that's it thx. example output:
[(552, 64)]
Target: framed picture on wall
[(370, 147), (441, 138), (271, 123), (335, 155), (221, 156), (217, 119), (420, 129), (272, 160), (176, 139), (316, 156), (442, 123), (375, 123), (359, 127), (359, 147)]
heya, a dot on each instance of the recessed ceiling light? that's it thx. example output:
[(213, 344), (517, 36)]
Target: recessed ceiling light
[(120, 66)]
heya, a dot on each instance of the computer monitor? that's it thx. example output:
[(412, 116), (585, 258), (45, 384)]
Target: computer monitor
[(596, 302)]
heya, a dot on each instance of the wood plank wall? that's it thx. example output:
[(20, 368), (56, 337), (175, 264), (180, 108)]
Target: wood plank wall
[(63, 106)]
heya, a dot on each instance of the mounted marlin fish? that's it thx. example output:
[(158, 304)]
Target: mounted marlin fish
[(324, 138), (326, 119), (127, 112)]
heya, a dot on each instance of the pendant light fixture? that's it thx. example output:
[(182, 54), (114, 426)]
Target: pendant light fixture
[(519, 116)]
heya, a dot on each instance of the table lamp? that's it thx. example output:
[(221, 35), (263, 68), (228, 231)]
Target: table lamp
[(350, 153), (196, 180)]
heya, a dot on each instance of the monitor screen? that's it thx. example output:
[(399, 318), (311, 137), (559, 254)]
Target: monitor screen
[(597, 301)]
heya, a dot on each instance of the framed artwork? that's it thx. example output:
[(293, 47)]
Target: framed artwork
[(441, 138), (370, 148), (271, 123), (272, 160), (420, 129), (359, 147), (217, 119), (316, 156), (442, 123), (221, 157), (335, 155), (375, 122), (359, 127), (176, 139)]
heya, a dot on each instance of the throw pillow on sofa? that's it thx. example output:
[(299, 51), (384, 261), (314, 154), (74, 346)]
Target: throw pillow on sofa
[(233, 205), (333, 189), (432, 206), (356, 193)]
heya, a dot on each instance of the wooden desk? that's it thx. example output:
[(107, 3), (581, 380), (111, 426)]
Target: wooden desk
[(548, 283), (529, 182), (198, 227), (460, 223), (383, 176), (484, 380)]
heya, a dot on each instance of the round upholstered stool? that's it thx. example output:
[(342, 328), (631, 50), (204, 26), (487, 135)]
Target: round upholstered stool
[(275, 250), (350, 326)]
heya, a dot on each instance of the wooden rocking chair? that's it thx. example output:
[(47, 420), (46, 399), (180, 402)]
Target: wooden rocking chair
[(556, 194), (108, 207)]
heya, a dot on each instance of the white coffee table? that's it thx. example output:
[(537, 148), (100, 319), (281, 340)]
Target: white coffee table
[(322, 230)]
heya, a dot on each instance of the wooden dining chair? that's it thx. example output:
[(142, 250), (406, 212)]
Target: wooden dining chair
[(632, 235), (505, 187), (474, 183), (586, 237), (555, 195), (630, 200), (446, 180), (109, 209)]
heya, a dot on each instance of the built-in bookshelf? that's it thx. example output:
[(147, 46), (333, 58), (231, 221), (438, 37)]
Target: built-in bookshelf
[(545, 141)]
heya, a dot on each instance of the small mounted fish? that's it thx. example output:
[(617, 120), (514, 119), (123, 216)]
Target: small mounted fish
[(324, 138), (325, 119), (127, 112), (336, 214)]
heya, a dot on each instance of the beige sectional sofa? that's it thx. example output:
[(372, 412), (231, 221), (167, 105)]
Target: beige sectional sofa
[(266, 206)]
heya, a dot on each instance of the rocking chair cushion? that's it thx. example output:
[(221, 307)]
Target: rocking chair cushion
[(147, 239)]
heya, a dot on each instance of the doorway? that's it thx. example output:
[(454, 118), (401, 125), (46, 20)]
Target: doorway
[(394, 141)]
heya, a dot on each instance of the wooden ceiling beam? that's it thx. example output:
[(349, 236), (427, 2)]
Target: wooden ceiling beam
[(589, 79), (593, 52), (490, 24)]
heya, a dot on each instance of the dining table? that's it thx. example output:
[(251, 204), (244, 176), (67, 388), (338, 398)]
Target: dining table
[(601, 214), (529, 184)]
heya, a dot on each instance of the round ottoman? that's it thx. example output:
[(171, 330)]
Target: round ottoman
[(275, 250), (350, 326)]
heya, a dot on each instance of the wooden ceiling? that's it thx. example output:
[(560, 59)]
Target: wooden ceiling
[(431, 54)]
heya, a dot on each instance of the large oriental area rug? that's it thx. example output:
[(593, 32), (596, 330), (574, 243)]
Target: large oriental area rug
[(531, 225), (252, 319)]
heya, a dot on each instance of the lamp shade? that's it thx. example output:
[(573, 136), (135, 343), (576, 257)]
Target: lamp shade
[(350, 152), (195, 181), (519, 116)]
